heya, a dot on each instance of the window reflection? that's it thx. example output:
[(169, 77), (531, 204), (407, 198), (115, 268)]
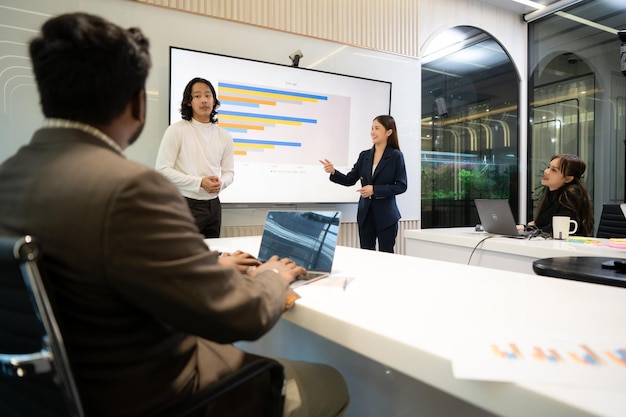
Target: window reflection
[(577, 95), (469, 126), (308, 238), (561, 123)]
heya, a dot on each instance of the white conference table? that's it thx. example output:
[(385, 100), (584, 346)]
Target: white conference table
[(409, 314), (456, 244)]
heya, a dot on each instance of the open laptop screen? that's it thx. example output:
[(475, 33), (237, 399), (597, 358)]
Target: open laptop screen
[(309, 238)]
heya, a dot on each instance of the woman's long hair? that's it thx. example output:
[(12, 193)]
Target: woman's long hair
[(389, 123), (573, 195)]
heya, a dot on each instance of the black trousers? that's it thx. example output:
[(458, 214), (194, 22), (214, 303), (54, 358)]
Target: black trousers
[(208, 216), (368, 233)]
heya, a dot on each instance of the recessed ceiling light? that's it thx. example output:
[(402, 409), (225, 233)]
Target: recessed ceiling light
[(529, 3)]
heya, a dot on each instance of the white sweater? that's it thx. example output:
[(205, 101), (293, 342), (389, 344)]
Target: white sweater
[(191, 150)]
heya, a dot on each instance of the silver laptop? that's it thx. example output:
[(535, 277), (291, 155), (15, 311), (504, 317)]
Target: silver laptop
[(496, 217), (308, 238)]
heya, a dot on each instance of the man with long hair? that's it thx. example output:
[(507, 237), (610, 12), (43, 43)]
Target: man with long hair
[(198, 156)]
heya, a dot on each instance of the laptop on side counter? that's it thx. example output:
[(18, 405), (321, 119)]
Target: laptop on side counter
[(497, 218)]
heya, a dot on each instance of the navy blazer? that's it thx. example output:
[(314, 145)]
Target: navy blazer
[(388, 179)]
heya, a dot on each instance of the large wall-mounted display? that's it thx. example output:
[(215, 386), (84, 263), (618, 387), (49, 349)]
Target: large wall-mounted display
[(283, 120)]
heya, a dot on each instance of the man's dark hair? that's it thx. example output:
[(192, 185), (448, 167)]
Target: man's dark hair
[(87, 68), (185, 109)]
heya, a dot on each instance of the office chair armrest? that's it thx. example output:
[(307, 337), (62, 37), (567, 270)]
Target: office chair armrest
[(25, 364)]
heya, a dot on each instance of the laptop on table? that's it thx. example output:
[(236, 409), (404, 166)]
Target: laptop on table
[(496, 217), (308, 238)]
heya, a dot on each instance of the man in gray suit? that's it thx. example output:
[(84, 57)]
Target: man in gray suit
[(148, 312)]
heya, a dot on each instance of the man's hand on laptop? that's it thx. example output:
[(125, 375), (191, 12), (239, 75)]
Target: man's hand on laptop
[(241, 260), (285, 267)]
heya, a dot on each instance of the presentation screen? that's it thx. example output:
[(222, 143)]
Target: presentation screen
[(283, 120)]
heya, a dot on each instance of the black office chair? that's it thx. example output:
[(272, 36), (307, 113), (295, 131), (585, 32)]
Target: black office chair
[(612, 222), (35, 374), (36, 379)]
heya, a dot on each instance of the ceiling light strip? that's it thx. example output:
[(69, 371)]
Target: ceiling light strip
[(529, 3), (552, 8)]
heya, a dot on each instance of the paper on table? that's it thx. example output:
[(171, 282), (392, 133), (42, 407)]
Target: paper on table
[(564, 361), (334, 281)]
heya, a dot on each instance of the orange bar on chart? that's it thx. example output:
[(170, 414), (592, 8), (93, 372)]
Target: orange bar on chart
[(538, 354)]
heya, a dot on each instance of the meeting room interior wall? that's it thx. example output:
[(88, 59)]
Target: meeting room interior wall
[(386, 38)]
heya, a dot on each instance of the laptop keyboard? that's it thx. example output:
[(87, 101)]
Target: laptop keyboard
[(311, 275)]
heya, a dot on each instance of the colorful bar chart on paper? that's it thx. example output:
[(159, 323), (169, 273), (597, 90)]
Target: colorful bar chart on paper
[(581, 355), (571, 362), (285, 124)]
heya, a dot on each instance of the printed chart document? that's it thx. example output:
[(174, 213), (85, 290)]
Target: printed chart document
[(564, 360)]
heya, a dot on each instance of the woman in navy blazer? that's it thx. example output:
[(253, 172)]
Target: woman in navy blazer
[(382, 173)]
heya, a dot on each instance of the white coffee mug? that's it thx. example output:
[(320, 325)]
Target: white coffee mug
[(561, 227)]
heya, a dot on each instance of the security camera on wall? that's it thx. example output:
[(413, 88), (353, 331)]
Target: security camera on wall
[(622, 51), (295, 57)]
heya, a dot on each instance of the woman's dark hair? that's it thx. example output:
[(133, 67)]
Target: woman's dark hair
[(389, 123), (185, 109), (87, 68), (573, 195)]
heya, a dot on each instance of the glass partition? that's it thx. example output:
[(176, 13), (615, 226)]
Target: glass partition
[(577, 94), (470, 92), (562, 122)]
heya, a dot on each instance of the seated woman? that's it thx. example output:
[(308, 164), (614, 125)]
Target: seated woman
[(564, 195)]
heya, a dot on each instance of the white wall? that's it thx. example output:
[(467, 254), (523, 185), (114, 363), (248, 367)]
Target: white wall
[(20, 20)]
